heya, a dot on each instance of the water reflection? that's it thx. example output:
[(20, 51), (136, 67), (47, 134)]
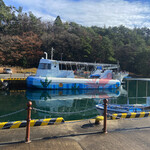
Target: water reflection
[(70, 104), (37, 95)]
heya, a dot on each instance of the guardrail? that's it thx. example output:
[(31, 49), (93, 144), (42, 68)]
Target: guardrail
[(29, 123)]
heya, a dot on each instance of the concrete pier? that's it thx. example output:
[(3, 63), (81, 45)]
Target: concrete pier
[(15, 81), (85, 135), (15, 75)]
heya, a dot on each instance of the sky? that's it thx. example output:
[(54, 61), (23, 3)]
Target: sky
[(129, 13)]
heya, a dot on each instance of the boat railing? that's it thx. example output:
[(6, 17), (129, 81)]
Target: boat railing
[(108, 66)]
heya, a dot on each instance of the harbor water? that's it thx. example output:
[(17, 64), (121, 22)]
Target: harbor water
[(69, 104)]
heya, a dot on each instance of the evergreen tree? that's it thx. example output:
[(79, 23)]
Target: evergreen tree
[(57, 21)]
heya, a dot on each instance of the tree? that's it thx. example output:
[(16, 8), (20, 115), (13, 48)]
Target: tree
[(20, 50), (58, 21), (106, 52), (5, 13), (31, 48)]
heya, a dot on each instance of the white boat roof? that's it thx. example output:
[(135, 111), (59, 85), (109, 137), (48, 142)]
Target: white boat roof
[(110, 66), (87, 63)]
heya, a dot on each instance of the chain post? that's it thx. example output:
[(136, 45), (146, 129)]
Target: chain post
[(29, 104), (105, 115)]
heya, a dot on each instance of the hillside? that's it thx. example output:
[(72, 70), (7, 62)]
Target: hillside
[(24, 38)]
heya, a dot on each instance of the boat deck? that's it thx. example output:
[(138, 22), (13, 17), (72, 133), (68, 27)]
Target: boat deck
[(139, 79)]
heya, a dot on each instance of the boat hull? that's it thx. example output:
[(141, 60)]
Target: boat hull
[(111, 109), (100, 109), (71, 83)]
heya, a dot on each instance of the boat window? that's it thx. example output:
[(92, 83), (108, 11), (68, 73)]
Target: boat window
[(44, 66), (49, 66), (41, 66)]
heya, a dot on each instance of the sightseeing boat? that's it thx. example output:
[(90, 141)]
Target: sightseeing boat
[(52, 75)]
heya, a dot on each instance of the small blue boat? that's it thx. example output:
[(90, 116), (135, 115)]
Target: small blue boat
[(113, 108)]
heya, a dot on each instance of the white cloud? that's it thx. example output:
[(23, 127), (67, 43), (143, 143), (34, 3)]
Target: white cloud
[(91, 12)]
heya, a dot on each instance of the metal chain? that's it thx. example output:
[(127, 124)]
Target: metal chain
[(12, 113), (61, 112)]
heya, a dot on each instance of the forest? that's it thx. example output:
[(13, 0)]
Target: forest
[(24, 38)]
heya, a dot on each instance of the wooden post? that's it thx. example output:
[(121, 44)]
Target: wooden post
[(105, 115), (29, 104)]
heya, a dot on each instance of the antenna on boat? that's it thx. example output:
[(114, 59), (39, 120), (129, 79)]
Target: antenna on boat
[(61, 60), (118, 66), (45, 54), (52, 53)]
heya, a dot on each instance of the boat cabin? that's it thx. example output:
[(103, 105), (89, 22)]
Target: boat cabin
[(50, 68)]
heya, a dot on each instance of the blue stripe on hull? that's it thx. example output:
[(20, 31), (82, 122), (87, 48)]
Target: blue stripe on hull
[(36, 83)]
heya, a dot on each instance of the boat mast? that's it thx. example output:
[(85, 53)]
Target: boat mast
[(118, 66), (61, 60)]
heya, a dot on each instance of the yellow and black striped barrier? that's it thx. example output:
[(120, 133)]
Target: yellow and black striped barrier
[(1, 80), (17, 91), (123, 116), (14, 82), (130, 115), (37, 122), (8, 79)]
